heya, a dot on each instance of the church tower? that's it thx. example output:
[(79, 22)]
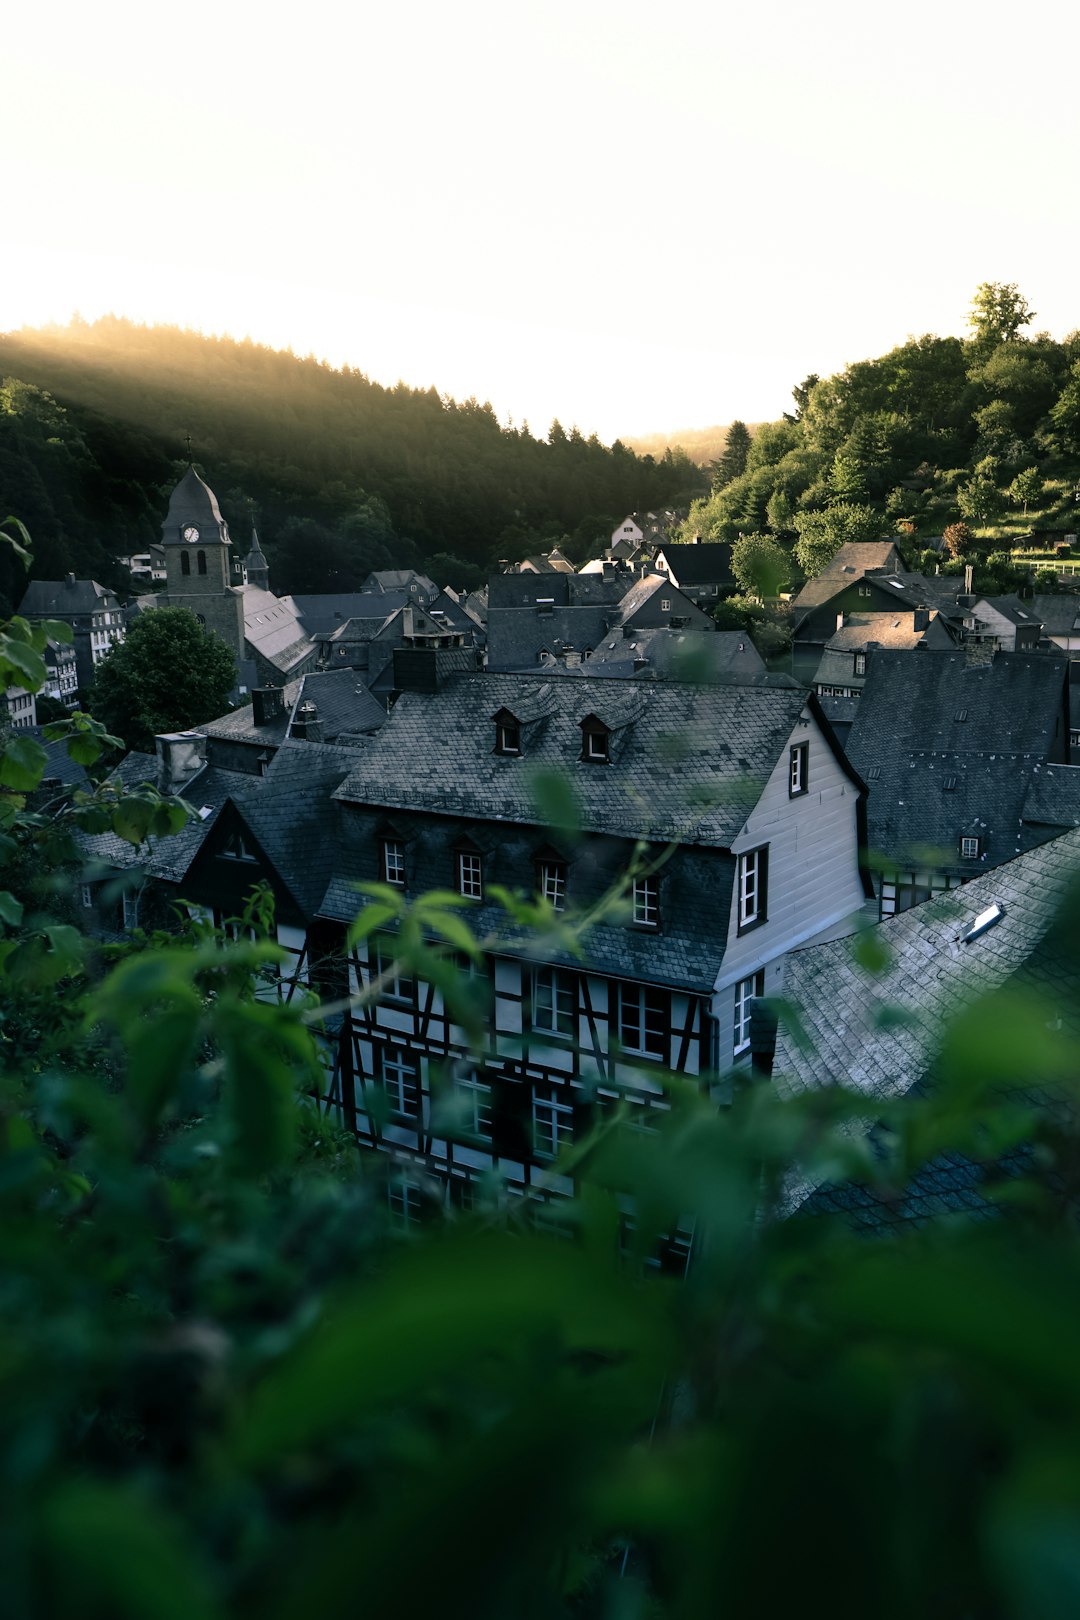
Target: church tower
[(203, 572)]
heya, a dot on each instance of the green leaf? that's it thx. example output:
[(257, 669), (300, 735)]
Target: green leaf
[(260, 1083), (58, 630), (111, 1551), (11, 910), (27, 663), (22, 764), (556, 801)]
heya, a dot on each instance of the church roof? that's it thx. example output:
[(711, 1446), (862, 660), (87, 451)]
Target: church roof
[(255, 555), (193, 502)]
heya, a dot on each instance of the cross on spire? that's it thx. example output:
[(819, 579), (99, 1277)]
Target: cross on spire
[(187, 441)]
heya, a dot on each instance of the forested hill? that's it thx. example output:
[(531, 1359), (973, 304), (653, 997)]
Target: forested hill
[(341, 474), (984, 430)]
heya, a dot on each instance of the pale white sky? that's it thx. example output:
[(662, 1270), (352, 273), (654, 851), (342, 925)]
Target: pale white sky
[(630, 217)]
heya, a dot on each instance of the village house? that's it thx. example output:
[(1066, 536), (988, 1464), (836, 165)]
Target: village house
[(701, 570), (93, 612)]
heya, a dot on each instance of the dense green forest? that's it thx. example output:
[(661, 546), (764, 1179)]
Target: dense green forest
[(341, 474), (984, 430)]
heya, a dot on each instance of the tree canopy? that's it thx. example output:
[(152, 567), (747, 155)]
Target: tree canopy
[(170, 673)]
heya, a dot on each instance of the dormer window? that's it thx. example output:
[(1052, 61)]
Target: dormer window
[(860, 663), (595, 741), (551, 882), (507, 733), (970, 847), (470, 873)]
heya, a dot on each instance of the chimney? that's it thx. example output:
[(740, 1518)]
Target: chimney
[(70, 579), (181, 755), (920, 618), (307, 723), (840, 619), (969, 579), (268, 704)]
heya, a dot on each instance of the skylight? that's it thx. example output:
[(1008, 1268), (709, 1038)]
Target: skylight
[(986, 919)]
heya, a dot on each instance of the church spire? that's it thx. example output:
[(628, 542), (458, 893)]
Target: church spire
[(258, 569)]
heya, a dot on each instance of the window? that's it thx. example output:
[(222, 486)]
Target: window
[(665, 604), (753, 885), (643, 1020), (474, 1107), (399, 985), (201, 559), (860, 663), (470, 875), (970, 848), (405, 1201), (185, 563), (235, 849), (647, 902), (87, 897), (798, 775), (400, 1080), (393, 854), (507, 735), (902, 890), (130, 908), (594, 741), (552, 884), (554, 1001), (865, 590), (553, 1121), (745, 991)]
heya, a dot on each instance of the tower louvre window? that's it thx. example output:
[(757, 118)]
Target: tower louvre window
[(185, 563), (201, 560)]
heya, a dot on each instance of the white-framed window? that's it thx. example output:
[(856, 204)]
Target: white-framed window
[(665, 604), (969, 847), (646, 900), (595, 743), (236, 848), (902, 890), (470, 872), (507, 736), (553, 1121), (644, 1019), (399, 986), (860, 663), (745, 991), (393, 854), (405, 1202), (798, 775), (865, 590), (130, 905), (474, 1106), (753, 871), (554, 1001), (399, 1076), (553, 884), (87, 897)]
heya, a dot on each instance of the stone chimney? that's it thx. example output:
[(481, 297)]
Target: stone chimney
[(969, 579), (840, 619), (306, 723), (921, 619), (268, 704), (181, 755)]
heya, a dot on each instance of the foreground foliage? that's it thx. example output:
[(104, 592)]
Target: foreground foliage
[(230, 1387)]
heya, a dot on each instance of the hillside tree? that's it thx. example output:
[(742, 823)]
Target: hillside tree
[(761, 565), (731, 463)]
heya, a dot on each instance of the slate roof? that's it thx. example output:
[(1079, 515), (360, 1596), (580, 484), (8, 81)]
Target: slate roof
[(1011, 608), (1060, 614), (705, 564), (1053, 797), (292, 815), (59, 599), (193, 501), (688, 655), (239, 725), (930, 976), (343, 701), (929, 718), (398, 580), (850, 563), (169, 858), (60, 767), (688, 761), (320, 615), (273, 628), (883, 629)]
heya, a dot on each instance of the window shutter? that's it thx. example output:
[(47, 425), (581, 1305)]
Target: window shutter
[(763, 880)]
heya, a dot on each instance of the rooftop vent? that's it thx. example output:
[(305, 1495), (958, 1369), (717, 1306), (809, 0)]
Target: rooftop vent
[(986, 919), (950, 784), (873, 773), (961, 714)]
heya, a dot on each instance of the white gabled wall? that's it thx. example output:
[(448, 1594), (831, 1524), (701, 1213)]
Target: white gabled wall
[(814, 887)]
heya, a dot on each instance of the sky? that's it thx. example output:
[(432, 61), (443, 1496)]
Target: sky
[(633, 218)]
